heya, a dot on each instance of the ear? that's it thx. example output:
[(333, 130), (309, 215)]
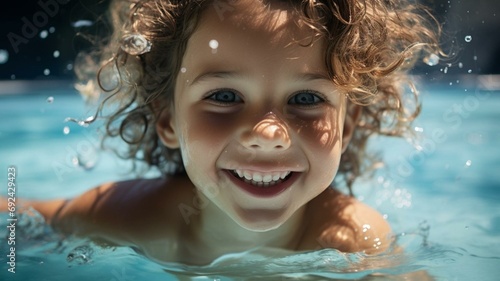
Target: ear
[(353, 113), (166, 130)]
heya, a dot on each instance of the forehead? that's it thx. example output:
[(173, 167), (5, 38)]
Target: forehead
[(249, 28)]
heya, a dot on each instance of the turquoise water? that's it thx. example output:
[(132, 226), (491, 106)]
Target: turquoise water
[(440, 194)]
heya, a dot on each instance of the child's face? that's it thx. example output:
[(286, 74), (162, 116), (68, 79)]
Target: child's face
[(249, 100)]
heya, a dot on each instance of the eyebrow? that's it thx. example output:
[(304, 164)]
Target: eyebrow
[(305, 77), (216, 74)]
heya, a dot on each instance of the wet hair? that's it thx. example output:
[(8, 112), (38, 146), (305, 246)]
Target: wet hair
[(371, 46)]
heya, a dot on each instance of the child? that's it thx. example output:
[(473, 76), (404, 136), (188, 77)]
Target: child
[(249, 108)]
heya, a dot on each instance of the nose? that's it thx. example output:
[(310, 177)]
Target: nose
[(268, 134)]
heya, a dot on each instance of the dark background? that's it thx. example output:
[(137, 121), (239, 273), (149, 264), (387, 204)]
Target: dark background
[(32, 55)]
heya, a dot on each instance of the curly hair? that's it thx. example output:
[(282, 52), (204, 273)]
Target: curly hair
[(371, 47)]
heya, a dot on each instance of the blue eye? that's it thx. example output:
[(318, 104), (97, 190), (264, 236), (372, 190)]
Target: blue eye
[(224, 96), (306, 98)]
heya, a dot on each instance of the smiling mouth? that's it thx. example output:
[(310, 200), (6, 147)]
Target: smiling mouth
[(261, 179)]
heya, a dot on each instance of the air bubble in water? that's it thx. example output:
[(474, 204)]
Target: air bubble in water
[(468, 163), (56, 54), (46, 72), (135, 44), (52, 29), (50, 99), (468, 38), (469, 71), (4, 56), (66, 130), (44, 34), (432, 60), (460, 65), (86, 157)]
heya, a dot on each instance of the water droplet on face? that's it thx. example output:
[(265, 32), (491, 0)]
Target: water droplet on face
[(135, 44), (56, 54), (50, 99), (432, 60), (468, 38), (44, 34), (213, 44), (66, 130), (4, 56), (183, 70)]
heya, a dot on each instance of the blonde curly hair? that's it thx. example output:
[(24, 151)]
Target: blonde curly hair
[(371, 47)]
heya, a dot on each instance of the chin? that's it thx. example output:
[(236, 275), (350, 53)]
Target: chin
[(260, 220)]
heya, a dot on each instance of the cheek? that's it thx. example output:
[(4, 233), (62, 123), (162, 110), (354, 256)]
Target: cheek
[(321, 141), (205, 135), (321, 133)]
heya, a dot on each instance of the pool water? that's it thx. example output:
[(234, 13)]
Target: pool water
[(440, 194)]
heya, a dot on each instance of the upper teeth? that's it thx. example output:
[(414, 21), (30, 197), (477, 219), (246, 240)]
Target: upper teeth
[(261, 177)]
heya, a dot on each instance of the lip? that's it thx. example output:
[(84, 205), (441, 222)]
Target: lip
[(264, 192)]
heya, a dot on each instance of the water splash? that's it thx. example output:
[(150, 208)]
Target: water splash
[(82, 123), (80, 255), (135, 44)]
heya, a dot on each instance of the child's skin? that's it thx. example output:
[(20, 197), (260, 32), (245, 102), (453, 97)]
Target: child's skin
[(262, 104)]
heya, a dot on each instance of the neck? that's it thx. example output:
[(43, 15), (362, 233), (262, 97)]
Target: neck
[(218, 234)]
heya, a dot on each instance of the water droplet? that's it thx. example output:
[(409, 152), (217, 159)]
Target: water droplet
[(445, 70), (4, 56), (214, 44), (81, 23), (135, 44), (431, 60), (468, 38), (50, 99), (468, 163), (419, 129), (66, 130), (44, 34), (52, 29), (183, 70), (474, 57), (469, 71), (56, 54), (69, 66), (460, 65), (46, 72)]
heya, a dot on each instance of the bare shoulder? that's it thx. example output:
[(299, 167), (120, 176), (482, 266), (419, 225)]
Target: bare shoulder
[(124, 213), (342, 222)]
